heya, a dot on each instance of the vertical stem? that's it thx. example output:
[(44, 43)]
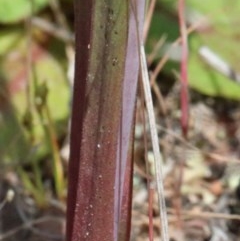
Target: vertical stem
[(184, 75), (156, 150)]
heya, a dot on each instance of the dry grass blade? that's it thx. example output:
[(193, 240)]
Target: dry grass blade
[(156, 149)]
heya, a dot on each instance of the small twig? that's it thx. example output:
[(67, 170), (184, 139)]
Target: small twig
[(177, 137), (59, 15), (207, 215), (54, 30), (165, 58), (148, 19), (29, 225), (158, 45), (160, 99)]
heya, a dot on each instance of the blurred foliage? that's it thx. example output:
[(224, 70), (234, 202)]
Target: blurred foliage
[(217, 32), (17, 142), (13, 11), (217, 21), (23, 137)]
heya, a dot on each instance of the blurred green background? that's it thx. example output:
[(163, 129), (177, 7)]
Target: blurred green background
[(35, 88)]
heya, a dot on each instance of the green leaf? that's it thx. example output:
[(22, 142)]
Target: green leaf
[(9, 38), (12, 11), (219, 35), (221, 38), (206, 80)]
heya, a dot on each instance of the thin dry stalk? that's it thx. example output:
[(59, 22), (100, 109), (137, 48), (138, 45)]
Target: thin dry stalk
[(150, 179), (207, 215), (156, 150), (160, 99), (184, 72), (150, 210)]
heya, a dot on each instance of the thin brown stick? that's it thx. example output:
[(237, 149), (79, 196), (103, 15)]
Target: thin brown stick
[(158, 45), (206, 215), (30, 224), (165, 58), (54, 30), (148, 20), (160, 99), (59, 15)]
